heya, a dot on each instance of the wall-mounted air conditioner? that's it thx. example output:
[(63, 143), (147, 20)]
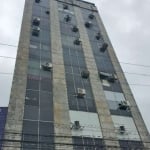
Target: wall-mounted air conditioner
[(104, 47), (35, 31), (122, 129), (98, 36), (81, 93), (65, 6), (47, 12), (36, 21), (91, 16), (85, 74), (47, 66), (124, 105), (77, 41), (75, 29), (88, 24), (67, 18), (76, 125), (108, 76)]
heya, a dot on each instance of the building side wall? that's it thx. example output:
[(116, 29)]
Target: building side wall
[(16, 104), (99, 97), (139, 122)]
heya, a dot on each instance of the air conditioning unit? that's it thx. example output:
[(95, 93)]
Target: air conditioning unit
[(81, 93), (67, 18), (88, 24), (104, 75), (124, 105), (122, 129), (35, 31), (76, 125), (98, 36), (112, 78), (65, 6), (75, 29), (108, 76), (85, 74), (104, 47), (91, 16), (37, 1), (36, 21), (47, 66), (77, 41), (47, 12)]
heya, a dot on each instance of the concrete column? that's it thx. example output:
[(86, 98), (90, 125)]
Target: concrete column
[(139, 122), (17, 98), (60, 98), (106, 122)]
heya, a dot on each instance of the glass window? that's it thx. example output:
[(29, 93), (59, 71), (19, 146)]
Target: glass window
[(36, 10), (46, 128), (110, 95), (46, 106), (30, 133), (30, 127), (45, 74), (45, 36), (46, 135), (119, 97), (32, 98), (45, 56), (33, 71), (46, 84), (34, 54), (45, 47), (33, 82), (31, 112), (113, 105), (33, 64), (82, 105)]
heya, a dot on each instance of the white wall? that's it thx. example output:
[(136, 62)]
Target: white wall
[(89, 122), (131, 131)]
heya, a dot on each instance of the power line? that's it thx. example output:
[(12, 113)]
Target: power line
[(10, 45), (133, 64), (134, 84), (132, 73), (68, 126), (131, 84), (64, 143)]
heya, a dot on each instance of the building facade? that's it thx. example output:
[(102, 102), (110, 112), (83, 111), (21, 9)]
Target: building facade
[(69, 91), (3, 114)]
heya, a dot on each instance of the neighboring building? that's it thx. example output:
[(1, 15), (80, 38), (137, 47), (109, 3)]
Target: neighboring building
[(69, 91), (3, 114)]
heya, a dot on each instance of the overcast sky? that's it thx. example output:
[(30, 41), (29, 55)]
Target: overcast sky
[(128, 26)]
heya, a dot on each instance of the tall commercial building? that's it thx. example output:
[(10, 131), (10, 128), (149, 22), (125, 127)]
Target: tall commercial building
[(3, 114), (69, 91)]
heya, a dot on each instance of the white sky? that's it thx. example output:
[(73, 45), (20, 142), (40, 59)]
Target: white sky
[(127, 23)]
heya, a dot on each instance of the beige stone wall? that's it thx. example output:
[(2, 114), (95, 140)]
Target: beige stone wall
[(107, 126), (17, 97), (60, 98)]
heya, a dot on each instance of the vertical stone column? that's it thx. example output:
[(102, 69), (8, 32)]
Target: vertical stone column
[(60, 99), (16, 105), (106, 122), (139, 122)]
